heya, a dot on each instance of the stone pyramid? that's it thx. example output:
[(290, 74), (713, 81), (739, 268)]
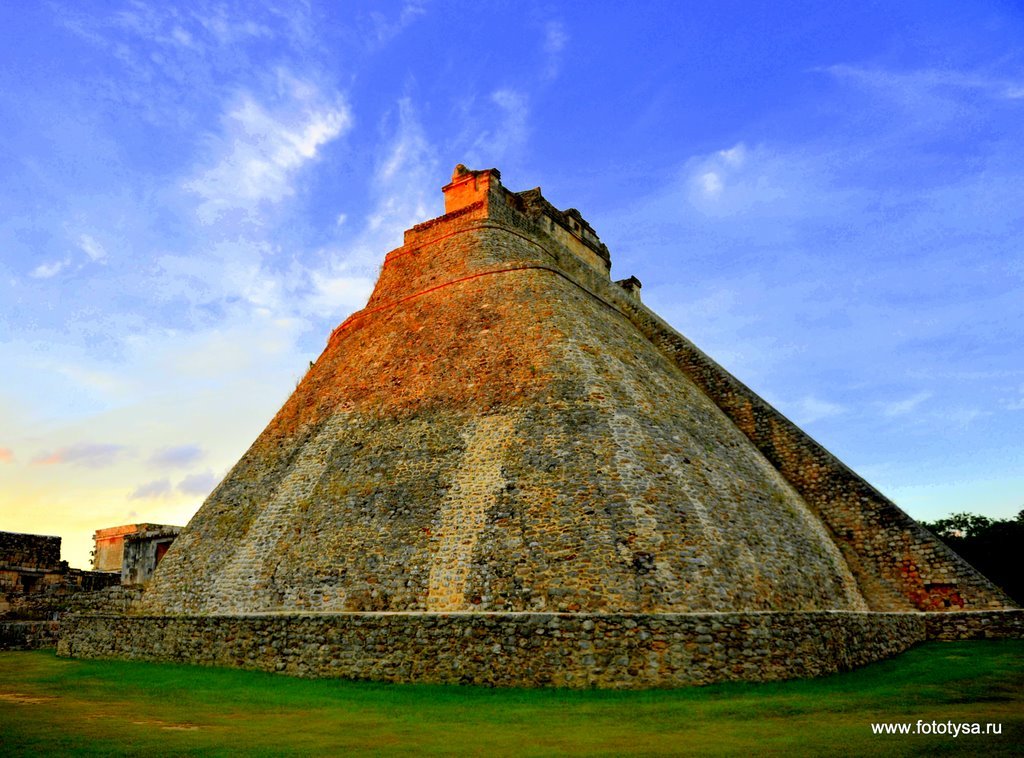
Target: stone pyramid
[(503, 428)]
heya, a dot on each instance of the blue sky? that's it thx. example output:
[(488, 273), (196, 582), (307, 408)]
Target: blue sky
[(828, 199)]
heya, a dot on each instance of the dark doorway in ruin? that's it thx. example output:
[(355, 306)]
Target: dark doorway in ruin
[(161, 550)]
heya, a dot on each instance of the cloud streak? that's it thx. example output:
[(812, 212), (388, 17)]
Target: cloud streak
[(809, 409), (198, 484), (504, 130), (93, 454), (182, 455), (160, 488), (92, 248), (261, 148), (903, 407), (907, 83), (383, 29), (555, 40), (49, 270)]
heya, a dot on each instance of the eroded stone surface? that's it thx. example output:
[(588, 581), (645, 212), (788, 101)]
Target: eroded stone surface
[(503, 428), (621, 651)]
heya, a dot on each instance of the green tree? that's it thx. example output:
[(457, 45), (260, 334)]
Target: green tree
[(993, 546)]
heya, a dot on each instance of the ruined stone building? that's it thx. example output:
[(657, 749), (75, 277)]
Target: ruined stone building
[(506, 469), (31, 568), (36, 586), (133, 550)]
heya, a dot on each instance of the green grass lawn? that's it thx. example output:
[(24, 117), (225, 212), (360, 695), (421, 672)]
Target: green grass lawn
[(51, 706)]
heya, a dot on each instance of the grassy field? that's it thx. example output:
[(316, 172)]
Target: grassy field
[(50, 706)]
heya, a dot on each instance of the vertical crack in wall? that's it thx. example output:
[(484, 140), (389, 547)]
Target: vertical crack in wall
[(463, 513)]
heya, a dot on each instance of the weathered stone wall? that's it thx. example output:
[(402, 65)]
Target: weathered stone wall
[(502, 442), (34, 580), (109, 543), (976, 625), (28, 635), (33, 621), (108, 547), (898, 564), (527, 650), (502, 428), (143, 551), (74, 591), (29, 551)]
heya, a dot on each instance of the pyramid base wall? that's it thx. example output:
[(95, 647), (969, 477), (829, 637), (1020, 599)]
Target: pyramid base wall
[(531, 649)]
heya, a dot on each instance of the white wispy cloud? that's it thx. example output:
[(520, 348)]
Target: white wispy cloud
[(905, 406), (158, 51), (193, 29), (404, 174), (809, 409), (515, 110), (224, 27), (92, 248), (156, 489), (917, 81), (403, 186), (964, 417), (49, 270), (198, 484), (497, 132), (337, 293), (711, 183), (93, 454), (261, 148), (383, 28), (555, 40), (180, 455), (739, 180), (735, 156)]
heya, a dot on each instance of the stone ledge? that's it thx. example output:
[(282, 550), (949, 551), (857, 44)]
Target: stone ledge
[(624, 651)]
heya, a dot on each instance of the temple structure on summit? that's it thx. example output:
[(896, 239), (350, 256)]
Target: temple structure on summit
[(506, 469)]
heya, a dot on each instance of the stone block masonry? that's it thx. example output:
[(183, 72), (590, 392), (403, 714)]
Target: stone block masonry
[(34, 552), (897, 563), (612, 483), (622, 651), (977, 625), (28, 635), (506, 470), (35, 584)]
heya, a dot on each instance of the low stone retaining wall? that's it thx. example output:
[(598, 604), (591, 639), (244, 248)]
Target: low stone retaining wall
[(28, 635), (520, 649), (977, 625)]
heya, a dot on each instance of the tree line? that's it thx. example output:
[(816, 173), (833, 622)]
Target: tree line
[(993, 546)]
